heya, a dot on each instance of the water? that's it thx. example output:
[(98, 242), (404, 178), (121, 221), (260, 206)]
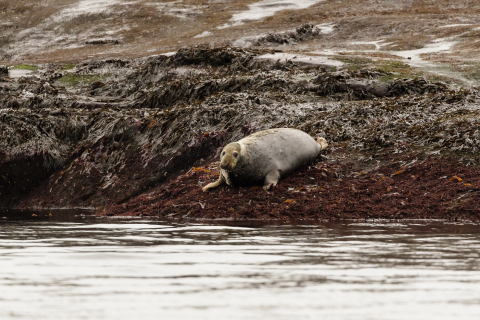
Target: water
[(266, 8), (17, 73), (71, 266)]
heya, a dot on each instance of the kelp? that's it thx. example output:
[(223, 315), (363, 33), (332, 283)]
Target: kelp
[(302, 33), (148, 121)]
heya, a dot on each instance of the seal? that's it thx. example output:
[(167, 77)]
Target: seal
[(266, 156)]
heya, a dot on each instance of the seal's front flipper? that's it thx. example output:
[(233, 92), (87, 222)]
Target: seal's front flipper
[(271, 179), (322, 142), (215, 184)]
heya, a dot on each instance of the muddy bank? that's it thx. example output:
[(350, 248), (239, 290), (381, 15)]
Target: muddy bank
[(112, 134)]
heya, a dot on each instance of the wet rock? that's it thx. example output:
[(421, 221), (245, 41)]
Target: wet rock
[(90, 105), (13, 104), (28, 80), (18, 178), (377, 89), (96, 85), (102, 41), (5, 56), (45, 87), (345, 75), (415, 86), (8, 25), (51, 76), (302, 33), (90, 66), (117, 62), (219, 56), (347, 82), (368, 74)]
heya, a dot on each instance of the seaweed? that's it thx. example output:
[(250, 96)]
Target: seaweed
[(302, 33), (415, 187), (128, 129)]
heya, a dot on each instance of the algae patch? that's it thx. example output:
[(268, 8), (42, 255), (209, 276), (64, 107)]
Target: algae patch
[(26, 67), (71, 79), (68, 66)]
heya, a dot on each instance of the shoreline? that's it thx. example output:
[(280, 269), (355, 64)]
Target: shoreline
[(112, 134), (36, 213), (392, 191)]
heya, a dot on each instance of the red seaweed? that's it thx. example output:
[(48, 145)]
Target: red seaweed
[(432, 188)]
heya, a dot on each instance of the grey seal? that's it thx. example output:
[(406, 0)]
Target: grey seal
[(266, 156)]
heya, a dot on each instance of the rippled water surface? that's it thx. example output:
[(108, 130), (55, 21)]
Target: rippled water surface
[(57, 265)]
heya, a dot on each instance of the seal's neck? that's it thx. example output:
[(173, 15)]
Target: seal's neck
[(242, 151)]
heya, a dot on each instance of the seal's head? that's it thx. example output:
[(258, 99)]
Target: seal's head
[(230, 156)]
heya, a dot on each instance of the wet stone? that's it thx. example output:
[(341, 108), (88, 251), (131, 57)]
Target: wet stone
[(302, 33), (102, 41)]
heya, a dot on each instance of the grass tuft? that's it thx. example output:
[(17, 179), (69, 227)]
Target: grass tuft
[(81, 79), (355, 63), (26, 67), (68, 66)]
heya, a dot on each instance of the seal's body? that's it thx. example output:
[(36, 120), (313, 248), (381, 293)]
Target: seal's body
[(266, 156)]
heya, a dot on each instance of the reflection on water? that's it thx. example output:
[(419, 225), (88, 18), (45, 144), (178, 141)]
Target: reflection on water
[(71, 266)]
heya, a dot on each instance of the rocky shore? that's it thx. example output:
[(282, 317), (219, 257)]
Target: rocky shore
[(141, 137)]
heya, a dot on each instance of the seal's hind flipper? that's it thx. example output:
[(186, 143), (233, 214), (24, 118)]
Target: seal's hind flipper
[(322, 142), (271, 179)]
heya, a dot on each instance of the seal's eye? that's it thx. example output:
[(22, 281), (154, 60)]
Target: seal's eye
[(235, 154), (223, 153)]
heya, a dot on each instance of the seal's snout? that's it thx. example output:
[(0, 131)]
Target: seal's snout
[(225, 165)]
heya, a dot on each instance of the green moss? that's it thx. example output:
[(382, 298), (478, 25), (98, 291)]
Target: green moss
[(26, 67), (393, 66), (397, 70), (80, 79), (354, 63), (471, 70), (389, 78), (68, 66)]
